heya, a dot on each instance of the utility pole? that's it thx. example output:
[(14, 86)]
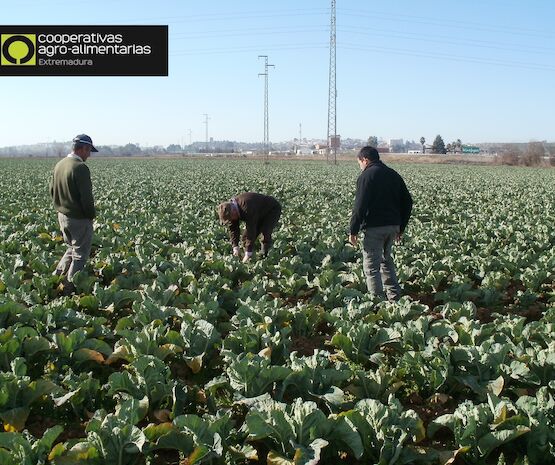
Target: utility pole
[(299, 141), (190, 134), (266, 123), (333, 140), (206, 118)]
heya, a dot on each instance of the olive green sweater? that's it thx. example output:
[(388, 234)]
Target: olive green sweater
[(71, 189)]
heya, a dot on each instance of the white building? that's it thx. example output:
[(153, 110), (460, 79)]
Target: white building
[(396, 142), (303, 150)]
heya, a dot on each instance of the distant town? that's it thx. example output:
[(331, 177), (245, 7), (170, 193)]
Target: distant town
[(526, 153)]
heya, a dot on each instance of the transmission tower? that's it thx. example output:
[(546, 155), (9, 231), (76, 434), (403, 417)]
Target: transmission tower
[(206, 118), (333, 140), (266, 124)]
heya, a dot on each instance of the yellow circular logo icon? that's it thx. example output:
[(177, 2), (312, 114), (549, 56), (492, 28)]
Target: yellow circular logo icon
[(18, 49)]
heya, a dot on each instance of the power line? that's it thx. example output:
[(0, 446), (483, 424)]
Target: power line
[(248, 49), (359, 47), (452, 24), (443, 39), (235, 15), (300, 46), (55, 3), (387, 33), (445, 56), (247, 31)]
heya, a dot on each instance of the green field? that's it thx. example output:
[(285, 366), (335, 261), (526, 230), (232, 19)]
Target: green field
[(174, 350)]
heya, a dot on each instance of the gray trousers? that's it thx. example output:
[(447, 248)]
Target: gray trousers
[(378, 262), (77, 235)]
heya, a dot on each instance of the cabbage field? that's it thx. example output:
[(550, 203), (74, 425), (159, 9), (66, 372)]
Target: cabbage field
[(174, 352)]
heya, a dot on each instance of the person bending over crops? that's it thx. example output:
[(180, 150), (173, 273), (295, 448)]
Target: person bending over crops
[(71, 191), (260, 213), (382, 209)]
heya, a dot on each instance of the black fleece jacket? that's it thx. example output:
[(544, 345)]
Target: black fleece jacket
[(254, 209), (382, 199)]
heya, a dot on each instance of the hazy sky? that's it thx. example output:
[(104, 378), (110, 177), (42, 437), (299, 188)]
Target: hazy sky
[(478, 70)]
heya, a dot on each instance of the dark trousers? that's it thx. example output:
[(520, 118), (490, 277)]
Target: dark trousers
[(266, 227)]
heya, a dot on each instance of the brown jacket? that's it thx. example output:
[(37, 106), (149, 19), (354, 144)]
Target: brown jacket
[(254, 209)]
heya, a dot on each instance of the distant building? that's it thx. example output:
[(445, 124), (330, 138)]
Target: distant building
[(470, 149), (412, 145), (304, 150), (320, 149), (414, 152), (396, 145)]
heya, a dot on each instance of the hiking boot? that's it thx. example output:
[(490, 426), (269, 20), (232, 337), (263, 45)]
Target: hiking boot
[(68, 288)]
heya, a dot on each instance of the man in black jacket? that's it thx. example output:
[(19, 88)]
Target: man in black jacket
[(260, 213), (382, 208)]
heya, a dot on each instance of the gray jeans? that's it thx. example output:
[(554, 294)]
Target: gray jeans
[(77, 235), (378, 262)]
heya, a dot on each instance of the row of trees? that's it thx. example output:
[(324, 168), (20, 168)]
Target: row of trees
[(61, 149), (438, 145), (535, 154)]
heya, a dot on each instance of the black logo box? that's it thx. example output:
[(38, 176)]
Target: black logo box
[(153, 64)]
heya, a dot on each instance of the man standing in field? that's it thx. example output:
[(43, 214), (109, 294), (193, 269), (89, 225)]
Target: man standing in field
[(71, 191), (260, 213), (382, 208)]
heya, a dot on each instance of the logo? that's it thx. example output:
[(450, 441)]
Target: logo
[(83, 50), (18, 49)]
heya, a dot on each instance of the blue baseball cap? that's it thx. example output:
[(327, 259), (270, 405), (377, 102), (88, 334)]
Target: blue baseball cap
[(84, 139)]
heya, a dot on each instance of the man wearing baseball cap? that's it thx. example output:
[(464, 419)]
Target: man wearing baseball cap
[(71, 192), (260, 213)]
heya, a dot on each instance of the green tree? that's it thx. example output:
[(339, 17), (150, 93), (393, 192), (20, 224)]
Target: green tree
[(458, 145), (102, 150), (372, 141), (174, 148), (534, 154), (422, 142), (438, 146), (130, 149)]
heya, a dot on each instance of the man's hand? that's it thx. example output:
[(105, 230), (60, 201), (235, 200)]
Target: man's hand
[(398, 238), (236, 251), (353, 239)]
